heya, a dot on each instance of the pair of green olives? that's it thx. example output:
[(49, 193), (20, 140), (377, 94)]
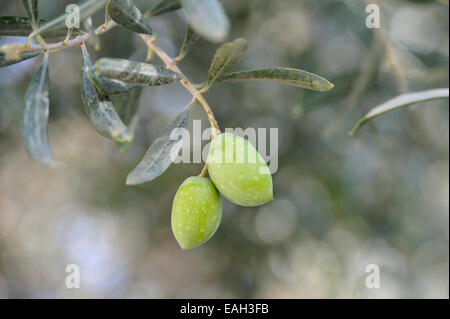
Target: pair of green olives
[(237, 171)]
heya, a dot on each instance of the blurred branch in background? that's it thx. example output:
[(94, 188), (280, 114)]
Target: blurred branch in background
[(390, 54), (367, 70)]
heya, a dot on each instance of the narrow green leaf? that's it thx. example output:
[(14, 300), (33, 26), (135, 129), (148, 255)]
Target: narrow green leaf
[(163, 6), (127, 106), (106, 86), (189, 40), (22, 57), (207, 18), (31, 7), (128, 16), (400, 102), (159, 156), (87, 8), (225, 59), (35, 116), (21, 27), (15, 26), (135, 72), (288, 76), (100, 110)]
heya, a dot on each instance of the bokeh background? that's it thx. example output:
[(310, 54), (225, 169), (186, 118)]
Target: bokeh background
[(342, 202)]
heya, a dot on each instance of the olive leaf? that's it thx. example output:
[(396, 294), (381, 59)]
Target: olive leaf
[(15, 26), (135, 72), (4, 61), (207, 18), (31, 7), (189, 40), (225, 59), (128, 16), (159, 156), (21, 27), (86, 8), (99, 109), (35, 116), (288, 76), (107, 87), (127, 106), (400, 102), (163, 6)]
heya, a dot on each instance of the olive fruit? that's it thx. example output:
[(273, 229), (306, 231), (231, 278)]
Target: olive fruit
[(238, 171), (196, 212)]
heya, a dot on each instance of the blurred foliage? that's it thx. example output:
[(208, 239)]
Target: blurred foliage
[(341, 203)]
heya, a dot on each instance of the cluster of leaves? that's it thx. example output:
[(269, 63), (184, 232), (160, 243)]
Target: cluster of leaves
[(111, 88)]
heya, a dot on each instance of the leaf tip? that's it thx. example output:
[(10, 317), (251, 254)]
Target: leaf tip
[(132, 180), (354, 130), (123, 136), (129, 181), (219, 34), (135, 177), (326, 86), (122, 148), (357, 127)]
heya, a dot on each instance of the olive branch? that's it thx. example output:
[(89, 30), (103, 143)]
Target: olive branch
[(111, 89), (109, 84)]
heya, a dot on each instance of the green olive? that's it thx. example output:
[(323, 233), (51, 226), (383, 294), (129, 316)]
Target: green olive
[(238, 171), (196, 212)]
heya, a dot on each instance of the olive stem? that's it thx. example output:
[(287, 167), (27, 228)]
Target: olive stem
[(204, 170), (171, 65), (71, 43)]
